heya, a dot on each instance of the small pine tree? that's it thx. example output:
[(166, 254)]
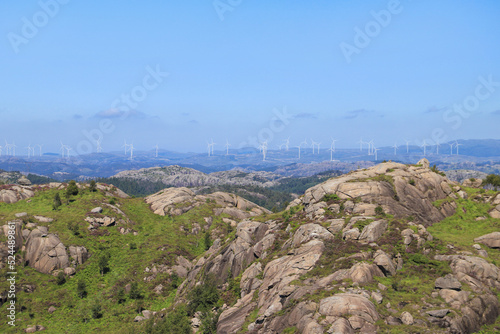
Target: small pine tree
[(81, 289), (61, 278), (93, 186), (96, 310), (207, 241), (72, 189), (120, 295), (56, 203), (74, 228), (134, 291), (104, 263)]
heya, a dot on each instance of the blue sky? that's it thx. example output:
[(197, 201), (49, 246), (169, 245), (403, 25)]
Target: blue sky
[(229, 78)]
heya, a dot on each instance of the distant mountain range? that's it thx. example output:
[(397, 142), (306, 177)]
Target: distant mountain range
[(483, 155)]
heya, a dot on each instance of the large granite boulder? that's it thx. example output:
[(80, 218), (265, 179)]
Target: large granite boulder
[(491, 240), (45, 252), (176, 201), (399, 189)]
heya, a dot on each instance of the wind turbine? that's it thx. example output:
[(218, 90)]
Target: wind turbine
[(332, 149), (63, 147), (395, 149), (333, 143), (407, 147), (318, 144), (131, 151), (375, 150), (125, 146), (13, 145), (371, 147), (299, 150), (263, 148), (331, 153), (457, 145), (227, 147), (40, 147), (67, 150), (29, 150), (451, 148), (287, 143), (424, 145), (437, 147), (212, 144), (313, 144), (209, 148), (156, 147)]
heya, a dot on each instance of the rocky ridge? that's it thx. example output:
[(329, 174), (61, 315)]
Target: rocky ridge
[(176, 201), (177, 176), (323, 275)]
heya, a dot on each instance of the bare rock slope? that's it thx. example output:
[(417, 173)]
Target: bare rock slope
[(176, 201), (318, 268)]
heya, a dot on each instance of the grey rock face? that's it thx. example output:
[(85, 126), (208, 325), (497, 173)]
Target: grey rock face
[(45, 252)]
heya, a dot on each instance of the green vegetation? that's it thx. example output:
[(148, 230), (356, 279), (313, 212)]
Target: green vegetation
[(93, 186), (134, 291), (435, 169), (492, 180), (61, 278), (158, 242), (71, 189), (132, 187), (379, 211), (176, 322), (104, 263), (81, 289), (331, 198), (461, 228), (56, 202), (39, 179), (203, 297)]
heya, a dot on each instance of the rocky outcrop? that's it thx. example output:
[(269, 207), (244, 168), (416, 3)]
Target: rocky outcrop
[(491, 240), (176, 176), (480, 276), (361, 313), (176, 201), (495, 213), (398, 189), (15, 193), (252, 241), (45, 252), (79, 254)]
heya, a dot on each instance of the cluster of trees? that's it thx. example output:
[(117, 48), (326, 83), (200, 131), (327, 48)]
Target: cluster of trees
[(39, 179), (492, 180), (134, 187), (202, 298)]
